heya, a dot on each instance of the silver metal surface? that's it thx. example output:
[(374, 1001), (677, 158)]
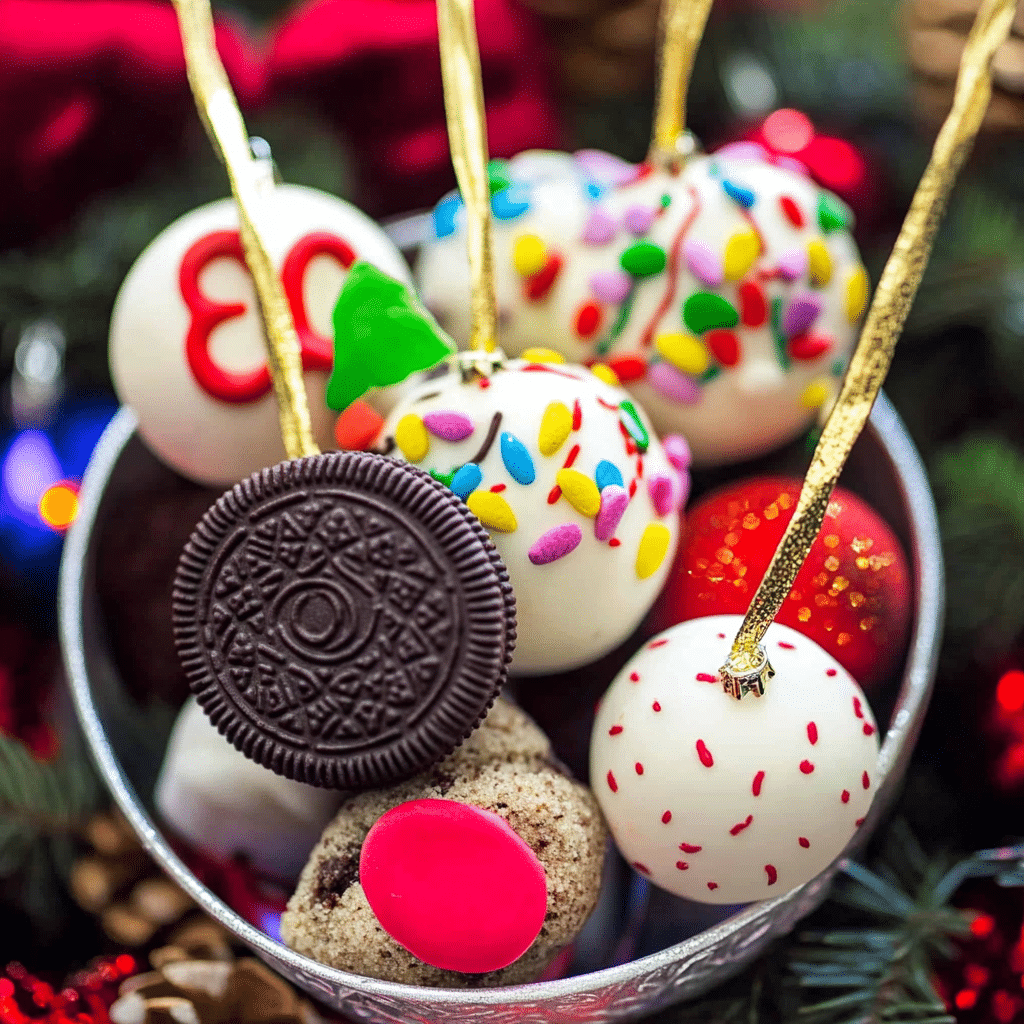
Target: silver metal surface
[(885, 469)]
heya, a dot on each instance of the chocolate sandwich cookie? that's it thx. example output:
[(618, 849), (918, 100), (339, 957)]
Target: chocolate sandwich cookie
[(343, 619)]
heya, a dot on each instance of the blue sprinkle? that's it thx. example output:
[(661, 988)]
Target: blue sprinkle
[(467, 480), (594, 190), (744, 196), (517, 459), (511, 202), (607, 473), (444, 215)]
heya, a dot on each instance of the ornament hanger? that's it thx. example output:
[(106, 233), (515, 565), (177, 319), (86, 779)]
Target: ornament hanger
[(252, 179), (747, 669)]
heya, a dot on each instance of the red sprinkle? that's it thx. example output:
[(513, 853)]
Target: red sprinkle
[(574, 452), (639, 768), (846, 796), (615, 730), (655, 706), (498, 488), (612, 784), (706, 677), (758, 780), (666, 817), (682, 865), (865, 781), (740, 826), (809, 346), (805, 843), (812, 733), (712, 886), (806, 767), (485, 383), (657, 643), (773, 875), (869, 729), (537, 286), (721, 636), (641, 867), (577, 415), (634, 677), (614, 542), (753, 305), (786, 646), (792, 211), (830, 672), (857, 709), (640, 468), (606, 405), (859, 822), (689, 848), (588, 319), (554, 494), (632, 488), (628, 367), (704, 754)]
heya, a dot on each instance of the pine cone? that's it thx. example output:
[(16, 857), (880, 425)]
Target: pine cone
[(936, 35)]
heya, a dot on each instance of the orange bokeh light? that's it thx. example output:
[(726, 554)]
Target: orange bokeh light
[(58, 506)]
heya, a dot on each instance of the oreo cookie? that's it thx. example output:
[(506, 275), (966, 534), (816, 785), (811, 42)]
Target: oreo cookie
[(343, 619)]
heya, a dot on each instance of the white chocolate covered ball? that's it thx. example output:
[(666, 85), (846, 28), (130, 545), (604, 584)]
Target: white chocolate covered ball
[(727, 297), (187, 351), (585, 517), (727, 801), (224, 804)]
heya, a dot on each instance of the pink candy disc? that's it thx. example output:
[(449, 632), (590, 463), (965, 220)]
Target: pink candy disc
[(454, 884)]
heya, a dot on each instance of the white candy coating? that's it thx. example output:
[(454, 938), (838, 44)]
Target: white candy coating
[(586, 212), (222, 803), (570, 609), (203, 437), (726, 801)]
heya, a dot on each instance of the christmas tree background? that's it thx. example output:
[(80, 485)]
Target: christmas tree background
[(958, 382)]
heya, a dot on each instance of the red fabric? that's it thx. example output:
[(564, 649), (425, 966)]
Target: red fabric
[(372, 67), (89, 92)]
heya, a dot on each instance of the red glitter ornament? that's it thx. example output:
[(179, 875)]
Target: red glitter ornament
[(852, 595)]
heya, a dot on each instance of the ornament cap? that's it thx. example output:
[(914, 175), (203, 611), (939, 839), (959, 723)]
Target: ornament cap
[(746, 672)]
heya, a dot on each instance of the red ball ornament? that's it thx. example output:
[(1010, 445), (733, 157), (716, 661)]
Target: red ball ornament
[(852, 595)]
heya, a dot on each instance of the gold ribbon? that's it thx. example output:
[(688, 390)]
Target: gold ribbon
[(682, 25), (250, 185), (873, 355), (467, 135)]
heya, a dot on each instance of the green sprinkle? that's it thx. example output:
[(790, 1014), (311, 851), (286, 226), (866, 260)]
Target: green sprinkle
[(710, 374), (444, 478), (704, 311), (838, 368), (382, 334), (812, 439), (643, 259), (833, 213), (497, 175), (666, 201), (630, 419), (777, 335)]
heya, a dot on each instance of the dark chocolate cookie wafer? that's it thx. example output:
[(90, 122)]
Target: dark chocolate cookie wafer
[(343, 619)]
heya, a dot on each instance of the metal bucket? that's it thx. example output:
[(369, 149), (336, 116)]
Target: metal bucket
[(884, 468)]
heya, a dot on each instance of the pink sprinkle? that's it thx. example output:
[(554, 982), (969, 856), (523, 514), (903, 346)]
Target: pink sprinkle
[(858, 710), (600, 229), (786, 646), (677, 451), (655, 706), (740, 826), (793, 264), (865, 781), (614, 501), (662, 492), (615, 730), (682, 865), (611, 286), (758, 780), (830, 672), (805, 843), (812, 733), (706, 677), (704, 754), (721, 636), (638, 220), (688, 848), (657, 643), (859, 822), (668, 381), (449, 426), (702, 262), (558, 542), (712, 886), (641, 867), (634, 677), (869, 729), (806, 767), (744, 151), (666, 817), (612, 784), (498, 488), (639, 768), (773, 875), (846, 796)]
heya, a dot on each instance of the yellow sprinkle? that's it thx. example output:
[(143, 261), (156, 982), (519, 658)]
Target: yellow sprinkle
[(652, 550), (740, 252), (554, 428), (820, 263), (856, 294), (529, 254), (493, 511), (411, 437), (542, 355), (580, 491), (684, 352), (816, 394), (604, 372)]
